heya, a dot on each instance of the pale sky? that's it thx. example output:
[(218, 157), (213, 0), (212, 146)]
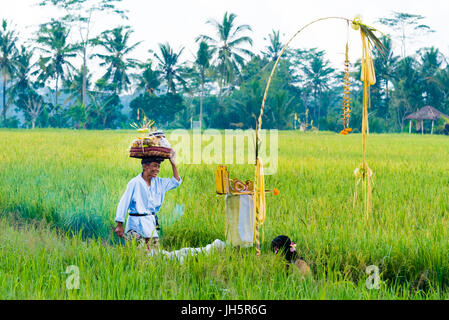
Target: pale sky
[(179, 22)]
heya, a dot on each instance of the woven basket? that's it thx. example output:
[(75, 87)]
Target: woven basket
[(150, 152)]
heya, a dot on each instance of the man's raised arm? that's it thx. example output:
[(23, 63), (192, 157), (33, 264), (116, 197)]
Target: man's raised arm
[(173, 165)]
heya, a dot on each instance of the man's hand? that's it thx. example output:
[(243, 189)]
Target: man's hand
[(119, 230), (173, 157), (173, 165)]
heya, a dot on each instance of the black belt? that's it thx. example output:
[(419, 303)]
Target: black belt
[(147, 214), (142, 214)]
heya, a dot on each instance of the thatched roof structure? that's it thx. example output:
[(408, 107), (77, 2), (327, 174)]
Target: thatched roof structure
[(426, 113)]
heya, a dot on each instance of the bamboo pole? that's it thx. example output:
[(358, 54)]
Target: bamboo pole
[(367, 171), (277, 62), (259, 178)]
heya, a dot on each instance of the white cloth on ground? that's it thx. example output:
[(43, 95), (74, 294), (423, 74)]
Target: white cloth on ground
[(185, 252)]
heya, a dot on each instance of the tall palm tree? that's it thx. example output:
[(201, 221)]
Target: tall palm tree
[(116, 44), (273, 50), (53, 36), (318, 73), (227, 47), (8, 63), (148, 79), (24, 91), (170, 66), (74, 89), (74, 83), (442, 79), (23, 74), (431, 63), (407, 92), (385, 65), (82, 14), (281, 109), (246, 103), (203, 63), (23, 71), (101, 107)]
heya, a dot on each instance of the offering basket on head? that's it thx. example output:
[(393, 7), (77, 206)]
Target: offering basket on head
[(153, 145), (146, 152)]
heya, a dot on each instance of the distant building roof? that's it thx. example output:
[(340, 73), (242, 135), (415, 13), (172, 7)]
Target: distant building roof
[(426, 113)]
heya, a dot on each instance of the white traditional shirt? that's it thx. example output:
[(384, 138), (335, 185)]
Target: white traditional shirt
[(139, 198)]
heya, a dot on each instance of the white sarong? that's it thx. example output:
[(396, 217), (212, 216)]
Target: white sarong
[(145, 226)]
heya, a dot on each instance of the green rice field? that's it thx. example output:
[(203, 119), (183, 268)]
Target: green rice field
[(59, 190)]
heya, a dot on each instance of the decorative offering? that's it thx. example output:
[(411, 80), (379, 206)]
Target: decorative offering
[(243, 206), (222, 180), (346, 95), (153, 143), (226, 186)]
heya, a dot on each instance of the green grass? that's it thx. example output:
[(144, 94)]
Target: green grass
[(58, 182)]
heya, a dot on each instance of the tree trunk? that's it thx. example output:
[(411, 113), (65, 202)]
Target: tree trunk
[(201, 100), (84, 93), (86, 44), (387, 102), (403, 119), (4, 100), (317, 110), (56, 91), (319, 113)]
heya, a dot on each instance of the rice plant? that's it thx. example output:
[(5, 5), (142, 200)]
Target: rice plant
[(59, 191)]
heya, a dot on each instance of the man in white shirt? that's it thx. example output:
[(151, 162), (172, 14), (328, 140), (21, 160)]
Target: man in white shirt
[(143, 199)]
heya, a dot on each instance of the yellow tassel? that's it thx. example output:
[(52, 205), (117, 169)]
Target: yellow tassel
[(259, 202), (367, 62), (368, 76)]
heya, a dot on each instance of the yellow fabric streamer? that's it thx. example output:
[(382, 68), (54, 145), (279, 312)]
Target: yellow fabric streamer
[(364, 174), (259, 202), (368, 76), (368, 72)]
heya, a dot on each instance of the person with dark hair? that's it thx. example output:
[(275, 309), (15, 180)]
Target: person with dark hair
[(283, 245), (143, 199)]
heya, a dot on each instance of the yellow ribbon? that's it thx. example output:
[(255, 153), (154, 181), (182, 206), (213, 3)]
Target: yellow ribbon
[(259, 203), (368, 76), (365, 174)]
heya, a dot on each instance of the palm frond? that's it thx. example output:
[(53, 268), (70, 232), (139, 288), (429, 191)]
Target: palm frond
[(205, 38), (240, 28), (372, 38)]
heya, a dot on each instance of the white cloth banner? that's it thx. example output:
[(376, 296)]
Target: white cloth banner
[(185, 252), (240, 220), (246, 219)]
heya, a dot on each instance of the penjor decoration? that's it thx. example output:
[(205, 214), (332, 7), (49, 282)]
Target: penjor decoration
[(363, 174)]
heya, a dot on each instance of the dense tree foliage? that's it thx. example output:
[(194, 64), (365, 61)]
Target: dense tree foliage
[(222, 86)]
